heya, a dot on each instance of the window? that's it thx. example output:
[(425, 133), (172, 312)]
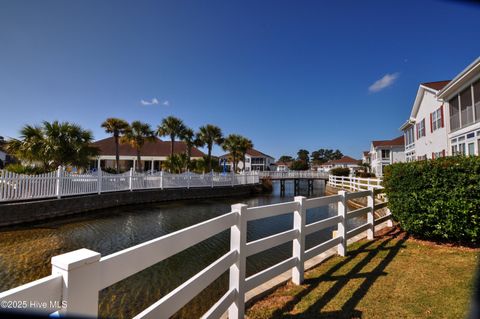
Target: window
[(454, 114), (421, 129), (385, 154), (461, 149), (436, 119), (471, 148), (476, 98), (409, 136), (466, 107)]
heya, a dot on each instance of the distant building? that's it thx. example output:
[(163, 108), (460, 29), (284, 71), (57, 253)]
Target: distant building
[(5, 158), (255, 161), (383, 153), (282, 166), (152, 154), (425, 131), (366, 157), (462, 95), (345, 161)]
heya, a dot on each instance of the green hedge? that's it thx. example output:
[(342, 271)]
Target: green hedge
[(436, 199), (340, 171)]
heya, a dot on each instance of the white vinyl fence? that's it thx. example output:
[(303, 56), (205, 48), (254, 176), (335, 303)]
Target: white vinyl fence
[(78, 276), (293, 174), (354, 183), (61, 183)]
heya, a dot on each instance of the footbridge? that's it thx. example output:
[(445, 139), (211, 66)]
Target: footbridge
[(296, 177)]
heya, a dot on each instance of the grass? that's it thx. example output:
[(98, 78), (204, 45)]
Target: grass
[(393, 276)]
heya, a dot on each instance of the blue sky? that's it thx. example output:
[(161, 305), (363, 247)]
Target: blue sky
[(287, 74)]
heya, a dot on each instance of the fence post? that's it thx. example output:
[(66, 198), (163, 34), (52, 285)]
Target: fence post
[(342, 224), (161, 179), (188, 179), (299, 217), (238, 242), (211, 175), (233, 176), (370, 214), (59, 185), (99, 180), (80, 270), (130, 179)]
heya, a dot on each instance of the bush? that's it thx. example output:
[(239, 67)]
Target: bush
[(340, 171), (299, 165), (364, 174), (436, 199), (27, 170)]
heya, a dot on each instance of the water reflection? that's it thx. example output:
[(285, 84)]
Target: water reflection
[(25, 252)]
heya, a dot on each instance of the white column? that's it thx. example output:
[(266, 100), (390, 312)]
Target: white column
[(161, 179), (80, 270), (238, 242), (99, 181), (98, 164), (130, 179), (342, 224), (151, 168), (370, 214), (299, 217)]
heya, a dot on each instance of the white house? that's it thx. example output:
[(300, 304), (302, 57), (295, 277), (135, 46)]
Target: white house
[(255, 161), (425, 131), (282, 166), (366, 157), (462, 95), (345, 161), (152, 154), (386, 152)]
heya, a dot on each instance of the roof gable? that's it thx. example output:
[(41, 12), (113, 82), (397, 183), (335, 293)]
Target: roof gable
[(399, 141)]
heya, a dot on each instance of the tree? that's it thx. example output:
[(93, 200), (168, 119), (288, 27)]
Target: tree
[(188, 137), (53, 144), (116, 127), (175, 163), (232, 144), (285, 159), (173, 127), (299, 165), (303, 155), (324, 155), (244, 145), (136, 135), (209, 135)]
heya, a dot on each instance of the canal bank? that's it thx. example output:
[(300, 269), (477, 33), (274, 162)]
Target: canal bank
[(33, 211)]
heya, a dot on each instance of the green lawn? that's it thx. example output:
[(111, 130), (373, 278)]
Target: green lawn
[(391, 277)]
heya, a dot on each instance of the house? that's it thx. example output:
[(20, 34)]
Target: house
[(462, 96), (425, 132), (282, 166), (386, 152), (5, 158), (152, 154), (366, 157), (255, 161), (345, 161)]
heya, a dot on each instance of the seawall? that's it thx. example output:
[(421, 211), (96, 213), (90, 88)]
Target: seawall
[(32, 211)]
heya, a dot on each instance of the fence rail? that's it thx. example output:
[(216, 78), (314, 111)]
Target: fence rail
[(354, 183), (61, 183), (293, 174), (78, 276)]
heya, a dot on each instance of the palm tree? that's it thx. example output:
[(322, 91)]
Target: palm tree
[(209, 135), (188, 137), (116, 127), (53, 144), (232, 144), (245, 144), (136, 135), (173, 127)]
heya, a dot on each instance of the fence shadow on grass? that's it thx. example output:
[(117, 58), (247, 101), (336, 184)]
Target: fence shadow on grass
[(348, 309)]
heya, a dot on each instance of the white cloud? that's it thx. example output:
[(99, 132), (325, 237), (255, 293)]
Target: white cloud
[(166, 103), (386, 81), (153, 101)]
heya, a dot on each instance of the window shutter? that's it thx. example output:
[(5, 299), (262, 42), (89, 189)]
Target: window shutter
[(416, 129), (431, 122), (433, 155), (443, 153), (441, 114)]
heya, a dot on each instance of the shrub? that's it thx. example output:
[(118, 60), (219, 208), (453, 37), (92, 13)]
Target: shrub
[(340, 171), (27, 170), (364, 174), (299, 165), (436, 199)]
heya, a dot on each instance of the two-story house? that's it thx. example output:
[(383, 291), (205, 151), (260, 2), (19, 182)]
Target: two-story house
[(386, 152), (254, 161), (425, 131), (462, 95), (345, 162)]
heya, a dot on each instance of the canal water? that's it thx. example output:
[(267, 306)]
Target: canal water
[(25, 252)]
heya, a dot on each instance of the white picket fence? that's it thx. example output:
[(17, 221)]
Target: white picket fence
[(78, 276), (61, 183), (354, 183), (293, 174)]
